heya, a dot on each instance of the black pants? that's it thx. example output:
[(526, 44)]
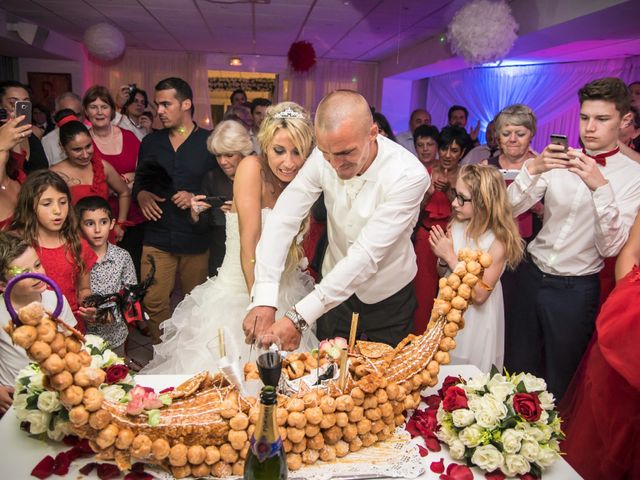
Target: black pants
[(388, 321), (552, 323), (132, 243)]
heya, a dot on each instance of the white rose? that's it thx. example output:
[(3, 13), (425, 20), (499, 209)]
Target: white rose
[(20, 406), (113, 393), (94, 341), (545, 430), (456, 450), (472, 435), (530, 432), (473, 401), (533, 383), (488, 458), (547, 456), (61, 429), (530, 450), (512, 440), (515, 465), (490, 412), (547, 401), (442, 415), (49, 401), (36, 384), (38, 421), (96, 362), (462, 417), (544, 417), (476, 383), (500, 388), (109, 357)]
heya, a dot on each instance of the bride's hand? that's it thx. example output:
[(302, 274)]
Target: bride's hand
[(257, 322), (287, 333)]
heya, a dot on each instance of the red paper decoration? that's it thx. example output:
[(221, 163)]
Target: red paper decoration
[(302, 56)]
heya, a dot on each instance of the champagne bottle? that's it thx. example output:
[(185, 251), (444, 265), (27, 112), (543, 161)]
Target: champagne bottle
[(266, 459)]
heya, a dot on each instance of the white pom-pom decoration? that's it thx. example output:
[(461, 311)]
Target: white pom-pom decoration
[(483, 31), (104, 41)]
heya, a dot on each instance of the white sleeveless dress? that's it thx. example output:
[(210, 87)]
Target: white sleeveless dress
[(190, 339), (481, 341)]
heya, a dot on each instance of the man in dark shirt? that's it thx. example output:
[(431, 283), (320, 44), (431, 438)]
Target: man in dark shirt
[(181, 150)]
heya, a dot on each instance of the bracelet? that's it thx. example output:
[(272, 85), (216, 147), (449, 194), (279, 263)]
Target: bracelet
[(443, 264)]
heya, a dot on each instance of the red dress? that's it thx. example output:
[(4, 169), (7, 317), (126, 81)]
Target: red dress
[(601, 409), (125, 162), (437, 211), (98, 185), (59, 265)]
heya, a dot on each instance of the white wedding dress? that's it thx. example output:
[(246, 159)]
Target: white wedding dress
[(190, 342)]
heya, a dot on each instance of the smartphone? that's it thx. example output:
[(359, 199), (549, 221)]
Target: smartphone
[(216, 202), (4, 115), (24, 108), (558, 139)]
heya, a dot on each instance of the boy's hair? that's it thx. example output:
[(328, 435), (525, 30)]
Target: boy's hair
[(608, 89), (492, 210), (91, 204), (11, 247)]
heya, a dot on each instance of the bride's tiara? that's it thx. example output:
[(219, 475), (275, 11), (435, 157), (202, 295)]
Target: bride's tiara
[(289, 113)]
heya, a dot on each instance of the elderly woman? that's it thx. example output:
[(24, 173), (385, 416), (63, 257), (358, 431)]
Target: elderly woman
[(450, 144), (230, 142)]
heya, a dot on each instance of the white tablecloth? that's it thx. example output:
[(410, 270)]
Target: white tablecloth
[(19, 453)]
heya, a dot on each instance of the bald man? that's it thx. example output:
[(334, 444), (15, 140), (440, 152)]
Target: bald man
[(372, 190), (418, 117)]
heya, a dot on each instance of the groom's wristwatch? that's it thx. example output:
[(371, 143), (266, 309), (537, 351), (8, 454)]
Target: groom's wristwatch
[(298, 321)]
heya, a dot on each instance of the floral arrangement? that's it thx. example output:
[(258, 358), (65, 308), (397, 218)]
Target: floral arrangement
[(500, 423), (483, 31), (333, 347), (40, 410)]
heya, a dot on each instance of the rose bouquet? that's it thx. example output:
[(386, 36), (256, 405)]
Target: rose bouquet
[(39, 408), (497, 422)]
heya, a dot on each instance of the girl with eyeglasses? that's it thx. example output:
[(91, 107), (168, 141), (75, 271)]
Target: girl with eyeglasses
[(482, 219)]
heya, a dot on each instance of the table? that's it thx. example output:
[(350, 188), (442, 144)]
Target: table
[(20, 452)]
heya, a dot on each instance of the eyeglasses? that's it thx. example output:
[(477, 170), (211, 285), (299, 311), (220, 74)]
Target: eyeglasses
[(461, 200)]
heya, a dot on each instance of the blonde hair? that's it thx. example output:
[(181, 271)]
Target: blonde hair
[(492, 210), (230, 137), (518, 115), (300, 129)]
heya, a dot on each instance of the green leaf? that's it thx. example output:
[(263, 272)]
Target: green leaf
[(521, 388), (165, 399), (126, 387), (536, 471), (509, 422), (125, 399), (25, 381), (32, 402), (52, 423), (64, 415), (552, 415), (153, 417), (494, 371)]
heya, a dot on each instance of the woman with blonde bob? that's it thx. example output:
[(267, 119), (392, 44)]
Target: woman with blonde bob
[(482, 220), (190, 339)]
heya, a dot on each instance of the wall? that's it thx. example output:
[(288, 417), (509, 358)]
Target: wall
[(26, 65)]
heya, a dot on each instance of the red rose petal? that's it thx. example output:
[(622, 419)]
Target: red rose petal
[(423, 451), (432, 401), (412, 428), (528, 476), (88, 468), (437, 467), (44, 468), (70, 440), (168, 389), (138, 476), (137, 467), (459, 472), (106, 471), (432, 444), (495, 475), (84, 446), (61, 463)]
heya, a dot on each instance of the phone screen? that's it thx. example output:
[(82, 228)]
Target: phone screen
[(557, 139), (216, 201), (24, 108)]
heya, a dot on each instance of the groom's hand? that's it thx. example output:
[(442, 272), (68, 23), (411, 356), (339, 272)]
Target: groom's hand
[(288, 334), (257, 322)]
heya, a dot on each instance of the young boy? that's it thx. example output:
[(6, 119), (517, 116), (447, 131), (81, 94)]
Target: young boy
[(16, 257), (591, 198), (112, 271)]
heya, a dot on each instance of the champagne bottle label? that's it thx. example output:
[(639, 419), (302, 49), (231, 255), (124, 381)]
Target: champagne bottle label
[(264, 450)]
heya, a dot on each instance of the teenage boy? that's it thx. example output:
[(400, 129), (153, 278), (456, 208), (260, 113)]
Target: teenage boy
[(17, 257), (591, 197), (113, 270)]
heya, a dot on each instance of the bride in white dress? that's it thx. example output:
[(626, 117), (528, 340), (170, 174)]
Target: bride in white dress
[(190, 339)]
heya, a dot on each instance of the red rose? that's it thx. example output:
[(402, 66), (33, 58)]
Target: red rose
[(527, 405), (115, 373), (454, 399), (448, 382)]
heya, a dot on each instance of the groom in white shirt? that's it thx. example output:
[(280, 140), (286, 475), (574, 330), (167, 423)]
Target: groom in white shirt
[(591, 198), (372, 190)]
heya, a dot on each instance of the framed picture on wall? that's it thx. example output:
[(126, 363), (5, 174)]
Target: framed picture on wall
[(47, 86)]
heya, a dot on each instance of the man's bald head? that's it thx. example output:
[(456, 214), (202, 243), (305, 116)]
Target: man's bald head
[(342, 107)]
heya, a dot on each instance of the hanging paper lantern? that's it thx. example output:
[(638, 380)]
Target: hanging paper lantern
[(483, 31), (302, 56), (104, 41)]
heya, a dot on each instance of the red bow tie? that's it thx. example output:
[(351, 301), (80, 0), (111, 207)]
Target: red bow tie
[(601, 158)]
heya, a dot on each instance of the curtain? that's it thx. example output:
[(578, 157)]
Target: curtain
[(551, 90), (307, 89), (146, 68), (8, 68)]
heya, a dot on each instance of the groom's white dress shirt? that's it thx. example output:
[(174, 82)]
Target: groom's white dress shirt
[(370, 219)]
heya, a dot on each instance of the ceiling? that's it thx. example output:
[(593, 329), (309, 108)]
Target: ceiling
[(364, 30)]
